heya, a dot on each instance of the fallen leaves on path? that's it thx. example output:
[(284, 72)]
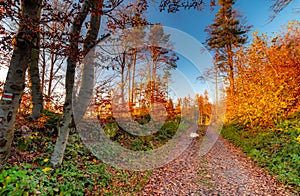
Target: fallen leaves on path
[(224, 170)]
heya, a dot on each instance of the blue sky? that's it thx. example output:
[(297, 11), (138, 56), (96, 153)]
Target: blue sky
[(193, 23), (257, 13)]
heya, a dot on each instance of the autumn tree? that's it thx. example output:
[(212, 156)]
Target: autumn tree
[(162, 58), (267, 85), (9, 18), (124, 61), (204, 108), (225, 35), (144, 53)]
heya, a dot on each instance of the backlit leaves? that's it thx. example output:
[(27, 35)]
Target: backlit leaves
[(268, 79)]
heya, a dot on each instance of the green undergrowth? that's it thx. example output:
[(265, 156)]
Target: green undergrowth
[(276, 149), (80, 173), (151, 141), (29, 171)]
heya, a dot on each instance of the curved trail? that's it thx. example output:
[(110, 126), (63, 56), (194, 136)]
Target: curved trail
[(224, 170)]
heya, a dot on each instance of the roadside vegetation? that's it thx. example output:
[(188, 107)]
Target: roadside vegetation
[(263, 117)]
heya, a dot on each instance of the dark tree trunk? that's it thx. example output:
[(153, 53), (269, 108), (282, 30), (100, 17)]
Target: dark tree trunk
[(15, 80), (35, 84), (231, 71)]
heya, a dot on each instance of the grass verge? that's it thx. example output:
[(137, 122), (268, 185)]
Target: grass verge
[(277, 149)]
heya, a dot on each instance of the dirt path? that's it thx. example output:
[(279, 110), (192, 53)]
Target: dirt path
[(224, 170)]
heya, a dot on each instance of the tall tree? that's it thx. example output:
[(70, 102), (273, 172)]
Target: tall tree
[(161, 57), (129, 16), (23, 43), (95, 10), (57, 156), (226, 34)]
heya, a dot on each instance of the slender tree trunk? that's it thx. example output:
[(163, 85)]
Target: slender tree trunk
[(122, 77), (129, 86), (43, 72), (35, 84), (122, 84), (133, 76), (15, 80), (231, 72), (89, 43), (51, 75), (59, 149), (87, 79), (153, 81)]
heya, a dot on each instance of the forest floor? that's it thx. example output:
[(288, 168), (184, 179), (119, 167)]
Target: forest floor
[(224, 170), (211, 165)]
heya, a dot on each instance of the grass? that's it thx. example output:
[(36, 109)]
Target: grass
[(276, 149)]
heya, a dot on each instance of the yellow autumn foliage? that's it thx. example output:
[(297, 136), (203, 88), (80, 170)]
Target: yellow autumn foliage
[(268, 79)]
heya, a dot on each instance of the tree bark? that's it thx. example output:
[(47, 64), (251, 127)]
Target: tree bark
[(89, 43), (15, 80), (35, 84), (87, 78), (57, 156)]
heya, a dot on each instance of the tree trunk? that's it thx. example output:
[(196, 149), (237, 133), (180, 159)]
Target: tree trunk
[(15, 80), (57, 156), (231, 77), (133, 76), (43, 72), (230, 71), (87, 79), (89, 43), (129, 86), (35, 84), (123, 77)]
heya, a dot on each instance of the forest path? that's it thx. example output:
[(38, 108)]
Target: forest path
[(224, 170)]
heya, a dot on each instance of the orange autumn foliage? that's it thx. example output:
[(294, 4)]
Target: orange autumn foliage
[(268, 79)]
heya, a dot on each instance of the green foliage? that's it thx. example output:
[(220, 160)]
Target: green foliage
[(111, 129), (80, 174), (15, 181), (66, 180), (168, 130), (144, 143), (227, 30), (52, 116), (278, 149), (224, 36)]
